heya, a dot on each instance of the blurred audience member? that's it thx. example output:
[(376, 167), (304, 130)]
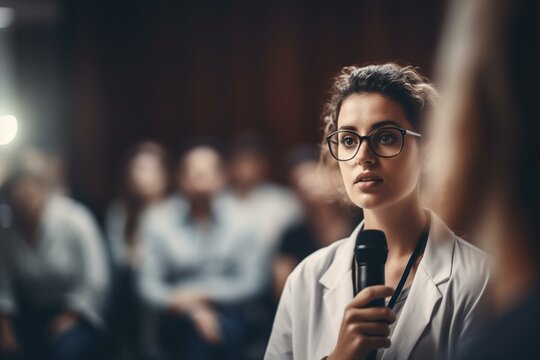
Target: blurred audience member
[(488, 150), (272, 207), (50, 164), (145, 182), (199, 268), (325, 220), (53, 274)]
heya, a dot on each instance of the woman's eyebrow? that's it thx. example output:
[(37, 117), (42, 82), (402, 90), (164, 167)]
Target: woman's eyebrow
[(384, 123), (377, 125)]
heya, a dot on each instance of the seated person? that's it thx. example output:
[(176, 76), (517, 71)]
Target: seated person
[(325, 218), (145, 182), (53, 274), (198, 268)]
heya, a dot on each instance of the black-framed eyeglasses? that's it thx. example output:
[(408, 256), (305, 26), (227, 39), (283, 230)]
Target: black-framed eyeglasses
[(385, 142)]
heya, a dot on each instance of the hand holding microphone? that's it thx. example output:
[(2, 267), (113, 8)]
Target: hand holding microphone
[(364, 329), (365, 325)]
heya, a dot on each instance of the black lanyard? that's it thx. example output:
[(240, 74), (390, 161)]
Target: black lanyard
[(418, 250)]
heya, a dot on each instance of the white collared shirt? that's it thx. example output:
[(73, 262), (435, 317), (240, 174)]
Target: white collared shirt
[(67, 267), (216, 258)]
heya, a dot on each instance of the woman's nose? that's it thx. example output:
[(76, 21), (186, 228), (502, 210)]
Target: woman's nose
[(365, 155)]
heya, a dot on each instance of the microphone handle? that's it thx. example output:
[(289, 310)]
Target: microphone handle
[(369, 276)]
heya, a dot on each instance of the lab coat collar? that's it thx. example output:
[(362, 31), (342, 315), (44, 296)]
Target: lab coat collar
[(425, 294), (439, 252), (342, 262), (437, 260)]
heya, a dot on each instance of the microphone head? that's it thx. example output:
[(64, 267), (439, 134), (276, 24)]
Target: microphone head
[(371, 247)]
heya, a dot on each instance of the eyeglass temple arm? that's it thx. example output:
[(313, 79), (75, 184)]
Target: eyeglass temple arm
[(409, 132)]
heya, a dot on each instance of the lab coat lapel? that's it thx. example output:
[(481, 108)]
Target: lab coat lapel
[(337, 299), (417, 312), (424, 296), (338, 282)]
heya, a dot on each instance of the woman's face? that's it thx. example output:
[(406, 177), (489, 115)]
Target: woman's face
[(247, 169), (201, 174), (147, 177), (27, 200), (373, 182)]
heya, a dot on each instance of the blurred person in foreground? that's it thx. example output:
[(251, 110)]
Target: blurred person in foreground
[(325, 219), (145, 182), (374, 120), (198, 269), (53, 274), (487, 134)]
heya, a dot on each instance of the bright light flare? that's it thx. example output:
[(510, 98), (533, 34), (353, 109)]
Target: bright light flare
[(8, 129)]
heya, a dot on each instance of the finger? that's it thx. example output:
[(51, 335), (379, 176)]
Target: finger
[(383, 314), (372, 329), (371, 293), (214, 334), (206, 333), (216, 330), (201, 329), (375, 342), (212, 330)]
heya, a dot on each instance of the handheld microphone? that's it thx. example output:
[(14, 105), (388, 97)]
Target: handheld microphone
[(370, 253)]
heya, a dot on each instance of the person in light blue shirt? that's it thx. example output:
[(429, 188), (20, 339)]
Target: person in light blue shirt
[(53, 275), (199, 267), (273, 207)]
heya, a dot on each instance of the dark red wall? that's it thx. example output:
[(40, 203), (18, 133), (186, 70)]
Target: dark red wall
[(172, 70)]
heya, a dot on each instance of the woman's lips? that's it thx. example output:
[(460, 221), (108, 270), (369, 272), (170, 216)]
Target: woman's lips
[(368, 185), (368, 181)]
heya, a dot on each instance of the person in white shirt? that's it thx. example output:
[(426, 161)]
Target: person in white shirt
[(273, 207), (199, 268), (372, 135), (53, 274)]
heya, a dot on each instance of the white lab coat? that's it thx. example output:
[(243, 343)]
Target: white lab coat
[(439, 315)]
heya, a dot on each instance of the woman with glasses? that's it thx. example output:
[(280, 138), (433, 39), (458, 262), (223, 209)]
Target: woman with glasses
[(434, 281)]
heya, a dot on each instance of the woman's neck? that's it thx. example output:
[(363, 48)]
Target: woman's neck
[(402, 223)]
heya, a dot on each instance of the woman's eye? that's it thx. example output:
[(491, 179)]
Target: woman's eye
[(348, 141), (387, 138)]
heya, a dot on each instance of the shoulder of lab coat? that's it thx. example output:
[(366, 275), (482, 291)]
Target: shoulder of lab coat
[(440, 314)]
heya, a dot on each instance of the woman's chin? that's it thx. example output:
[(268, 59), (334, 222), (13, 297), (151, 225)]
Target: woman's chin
[(368, 201)]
